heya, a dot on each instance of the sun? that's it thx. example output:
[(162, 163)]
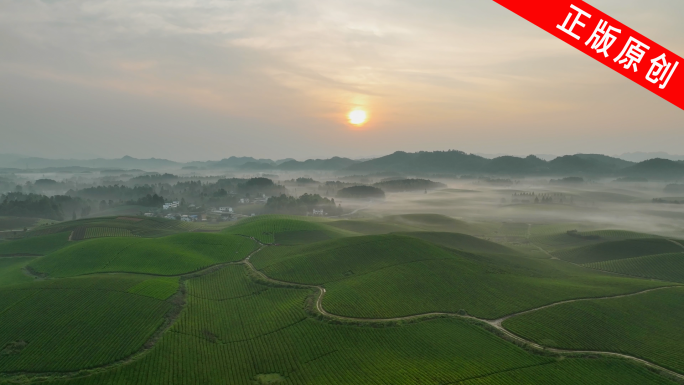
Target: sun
[(357, 117)]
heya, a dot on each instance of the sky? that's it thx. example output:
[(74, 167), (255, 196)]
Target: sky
[(208, 79)]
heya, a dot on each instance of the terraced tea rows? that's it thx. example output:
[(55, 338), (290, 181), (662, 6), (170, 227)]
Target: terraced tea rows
[(667, 267), (139, 226), (235, 330), (572, 372), (388, 276), (608, 251), (159, 288), (76, 324), (11, 270), (226, 346), (284, 229), (101, 232), (647, 325), (35, 246), (463, 242), (172, 255)]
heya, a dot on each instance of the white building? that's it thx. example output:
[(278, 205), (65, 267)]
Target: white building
[(318, 212), (171, 205), (226, 209)]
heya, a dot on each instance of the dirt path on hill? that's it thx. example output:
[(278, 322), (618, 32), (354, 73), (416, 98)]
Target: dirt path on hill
[(496, 323), (676, 243), (180, 304)]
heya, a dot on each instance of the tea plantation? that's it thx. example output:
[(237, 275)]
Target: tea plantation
[(131, 300), (647, 325)]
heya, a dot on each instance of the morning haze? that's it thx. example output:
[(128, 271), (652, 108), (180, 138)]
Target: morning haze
[(305, 192), (278, 78)]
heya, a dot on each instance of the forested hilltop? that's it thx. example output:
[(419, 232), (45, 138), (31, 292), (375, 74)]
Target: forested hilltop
[(423, 162)]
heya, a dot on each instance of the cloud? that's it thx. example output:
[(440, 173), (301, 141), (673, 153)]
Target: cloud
[(299, 65)]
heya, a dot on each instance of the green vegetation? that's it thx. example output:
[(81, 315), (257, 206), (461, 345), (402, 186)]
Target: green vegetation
[(557, 237), (101, 232), (71, 324), (608, 251), (288, 229), (614, 235), (361, 192), (368, 227), (11, 270), (287, 204), (572, 372), (434, 222), (172, 255), (138, 226), (667, 267), (647, 325), (400, 185), (17, 204), (36, 245), (391, 275), (159, 288), (16, 223), (463, 242), (218, 346)]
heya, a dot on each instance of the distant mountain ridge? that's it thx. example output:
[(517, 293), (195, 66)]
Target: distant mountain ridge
[(458, 162), (642, 156), (450, 162)]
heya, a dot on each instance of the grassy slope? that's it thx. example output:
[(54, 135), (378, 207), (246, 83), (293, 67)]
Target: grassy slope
[(139, 226), (214, 341), (172, 255), (72, 324), (609, 251), (561, 240), (666, 267), (463, 242), (159, 288), (386, 276), (572, 372), (11, 270), (16, 223), (36, 245), (434, 222), (370, 227), (286, 229), (648, 325)]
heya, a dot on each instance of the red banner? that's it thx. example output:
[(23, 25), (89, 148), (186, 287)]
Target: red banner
[(608, 41)]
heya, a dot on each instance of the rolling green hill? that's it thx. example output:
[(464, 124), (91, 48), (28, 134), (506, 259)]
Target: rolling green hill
[(463, 242), (213, 342), (40, 245), (16, 223), (284, 229), (647, 325), (667, 267), (609, 251), (369, 227), (72, 324), (177, 254), (387, 276), (137, 226), (555, 237), (433, 222), (11, 270), (572, 372)]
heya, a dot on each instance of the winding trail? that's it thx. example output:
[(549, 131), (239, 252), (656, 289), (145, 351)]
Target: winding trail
[(676, 243), (496, 323)]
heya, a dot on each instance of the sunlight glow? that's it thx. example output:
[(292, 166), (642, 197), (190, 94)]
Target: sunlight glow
[(357, 117)]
